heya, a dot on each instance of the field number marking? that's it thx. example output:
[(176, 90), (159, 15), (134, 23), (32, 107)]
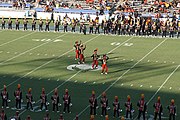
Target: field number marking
[(47, 40)]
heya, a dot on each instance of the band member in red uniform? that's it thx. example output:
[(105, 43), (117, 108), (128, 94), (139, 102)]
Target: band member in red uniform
[(128, 106), (157, 109), (76, 46), (43, 98), (18, 96), (28, 117), (172, 110), (55, 100), (29, 98), (95, 57), (93, 103), (104, 64), (142, 107), (66, 101), (104, 104), (81, 54), (47, 117), (77, 118), (17, 117), (5, 96), (116, 106), (3, 115), (61, 117)]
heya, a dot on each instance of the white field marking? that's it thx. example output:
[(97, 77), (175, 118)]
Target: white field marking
[(124, 74), (28, 51), (173, 62), (8, 52), (75, 81), (40, 78), (156, 61), (163, 84), (53, 55), (49, 79), (15, 52), (119, 45), (164, 61), (1, 51), (122, 84), (131, 85), (170, 88), (56, 87), (132, 59), (33, 70), (94, 82), (103, 83), (141, 85), (124, 59), (38, 54), (85, 81), (16, 39), (57, 79), (148, 61), (151, 86), (45, 54)]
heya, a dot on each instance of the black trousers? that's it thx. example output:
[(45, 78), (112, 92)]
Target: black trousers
[(92, 110), (171, 34), (164, 33), (65, 29), (25, 26), (80, 29), (128, 113), (154, 32), (55, 106), (17, 27), (18, 104), (90, 30), (33, 27), (139, 115), (171, 116), (43, 104), (97, 30), (178, 34), (56, 28), (40, 28), (104, 111), (9, 26), (29, 104), (66, 107), (47, 28), (73, 29), (4, 102), (157, 114), (116, 111), (122, 32), (105, 31), (3, 26)]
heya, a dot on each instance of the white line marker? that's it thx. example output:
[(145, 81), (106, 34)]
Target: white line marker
[(164, 61), (170, 88), (75, 81), (49, 79), (85, 81), (16, 39), (131, 85), (132, 59), (53, 55), (151, 86), (94, 82), (141, 85), (1, 51), (103, 83), (148, 61), (38, 54), (57, 79), (122, 84), (40, 78), (163, 84), (156, 61), (8, 52), (15, 52), (173, 62), (30, 53), (124, 59), (45, 54)]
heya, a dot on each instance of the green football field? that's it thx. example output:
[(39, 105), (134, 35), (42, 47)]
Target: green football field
[(137, 65)]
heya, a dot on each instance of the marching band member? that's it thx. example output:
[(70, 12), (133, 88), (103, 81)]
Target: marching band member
[(43, 98), (128, 106), (157, 109), (18, 96), (66, 101), (104, 104), (29, 98), (55, 100), (5, 97), (93, 103), (142, 107), (116, 106), (172, 110), (95, 57)]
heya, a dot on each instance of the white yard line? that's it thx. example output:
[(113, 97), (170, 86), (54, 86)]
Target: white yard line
[(16, 39), (124, 74), (45, 64), (1, 63), (166, 80)]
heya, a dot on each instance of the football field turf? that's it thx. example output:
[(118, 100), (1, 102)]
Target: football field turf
[(137, 65)]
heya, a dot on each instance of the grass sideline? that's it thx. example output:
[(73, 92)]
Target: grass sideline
[(145, 77)]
